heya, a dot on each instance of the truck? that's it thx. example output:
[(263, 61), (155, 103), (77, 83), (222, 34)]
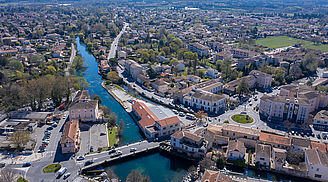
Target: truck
[(61, 171)]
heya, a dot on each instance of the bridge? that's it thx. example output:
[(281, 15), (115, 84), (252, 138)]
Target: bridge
[(104, 158)]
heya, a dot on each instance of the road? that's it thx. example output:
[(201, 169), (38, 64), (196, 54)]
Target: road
[(73, 54), (113, 47)]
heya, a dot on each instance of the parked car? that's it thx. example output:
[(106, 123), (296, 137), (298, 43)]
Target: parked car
[(2, 164), (88, 162), (181, 114), (111, 151), (91, 149), (54, 125), (66, 175), (50, 128), (27, 164), (118, 153), (80, 158), (133, 149)]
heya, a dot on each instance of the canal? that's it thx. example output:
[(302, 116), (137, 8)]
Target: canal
[(158, 167)]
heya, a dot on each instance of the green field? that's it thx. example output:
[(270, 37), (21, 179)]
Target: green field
[(112, 138), (284, 41)]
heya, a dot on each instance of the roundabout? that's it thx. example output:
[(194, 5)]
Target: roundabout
[(242, 118)]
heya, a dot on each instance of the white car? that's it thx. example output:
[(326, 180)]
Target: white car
[(133, 149)]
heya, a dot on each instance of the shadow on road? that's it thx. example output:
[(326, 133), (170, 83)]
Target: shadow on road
[(59, 156)]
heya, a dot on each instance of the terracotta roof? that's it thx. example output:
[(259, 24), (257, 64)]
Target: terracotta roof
[(274, 139), (301, 142), (169, 121), (236, 146), (69, 132), (319, 146), (240, 129), (315, 156), (183, 134), (215, 176), (147, 117), (86, 104)]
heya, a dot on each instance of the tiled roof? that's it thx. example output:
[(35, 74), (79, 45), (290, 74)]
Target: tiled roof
[(263, 150), (240, 129), (70, 130), (236, 146), (301, 142), (319, 146), (147, 117), (215, 176), (274, 139), (187, 135), (315, 156), (169, 121)]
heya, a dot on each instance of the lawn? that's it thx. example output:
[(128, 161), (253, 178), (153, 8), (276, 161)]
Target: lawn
[(112, 136), (242, 118), (284, 41), (51, 168)]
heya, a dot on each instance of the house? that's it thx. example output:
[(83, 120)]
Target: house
[(162, 59), (193, 78), (279, 158), (70, 140), (320, 146), (155, 121), (201, 50), (300, 144), (215, 176), (160, 86), (235, 132), (317, 164), (263, 155), (188, 144), (178, 66), (320, 120), (212, 73), (83, 108), (224, 55), (38, 117), (132, 68), (121, 55), (274, 140), (236, 150)]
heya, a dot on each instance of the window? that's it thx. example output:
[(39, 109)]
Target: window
[(317, 169), (164, 128)]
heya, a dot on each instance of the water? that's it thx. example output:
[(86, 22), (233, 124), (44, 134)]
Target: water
[(156, 166)]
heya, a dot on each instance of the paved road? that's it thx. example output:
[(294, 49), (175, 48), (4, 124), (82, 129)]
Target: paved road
[(73, 54), (113, 47)]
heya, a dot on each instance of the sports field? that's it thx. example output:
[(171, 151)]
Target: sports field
[(284, 41)]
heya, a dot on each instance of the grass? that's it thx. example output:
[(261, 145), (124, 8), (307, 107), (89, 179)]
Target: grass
[(112, 133), (51, 168), (284, 41), (21, 179), (242, 118)]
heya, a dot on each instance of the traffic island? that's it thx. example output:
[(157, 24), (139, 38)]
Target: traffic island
[(242, 118), (51, 168)]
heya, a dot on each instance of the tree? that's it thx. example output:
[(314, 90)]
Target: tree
[(111, 174), (136, 176), (8, 175), (294, 157), (243, 87), (121, 127), (96, 97), (309, 64), (206, 163), (20, 138), (200, 115), (77, 63), (15, 65), (114, 77)]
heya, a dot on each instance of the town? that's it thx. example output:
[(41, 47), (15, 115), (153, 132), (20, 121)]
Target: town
[(163, 91)]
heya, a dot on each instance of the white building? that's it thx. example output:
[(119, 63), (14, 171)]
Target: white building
[(317, 164), (212, 73), (236, 150), (263, 155), (206, 101), (83, 108)]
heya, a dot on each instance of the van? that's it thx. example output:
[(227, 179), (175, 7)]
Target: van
[(61, 171)]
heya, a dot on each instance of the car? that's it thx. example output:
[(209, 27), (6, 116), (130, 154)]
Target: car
[(91, 149), (2, 164), (133, 149), (50, 128), (205, 124), (54, 125), (118, 153), (102, 134), (111, 151), (243, 112), (88, 162), (66, 175), (181, 114), (27, 164), (175, 111), (45, 142), (42, 150), (79, 158), (318, 136)]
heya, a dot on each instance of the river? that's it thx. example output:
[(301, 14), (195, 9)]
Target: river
[(158, 167)]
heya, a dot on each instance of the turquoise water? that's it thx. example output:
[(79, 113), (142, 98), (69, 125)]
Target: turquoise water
[(156, 166)]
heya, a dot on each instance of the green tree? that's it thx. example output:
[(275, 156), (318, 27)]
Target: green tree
[(96, 97), (15, 65), (20, 138), (77, 62), (114, 77), (243, 87), (309, 64)]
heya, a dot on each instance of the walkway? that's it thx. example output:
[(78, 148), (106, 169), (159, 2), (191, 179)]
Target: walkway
[(73, 54)]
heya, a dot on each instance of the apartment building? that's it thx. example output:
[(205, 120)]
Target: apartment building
[(320, 120), (83, 108), (317, 164), (70, 140), (201, 50), (205, 101)]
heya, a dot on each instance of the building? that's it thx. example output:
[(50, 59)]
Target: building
[(131, 67), (263, 155), (83, 108), (121, 55), (39, 117), (188, 144), (212, 73), (70, 140), (300, 144), (263, 80), (215, 176), (317, 164), (320, 120), (274, 140), (280, 108), (235, 132), (178, 66), (201, 50), (242, 53), (279, 158), (160, 86), (236, 150), (155, 121), (206, 101)]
